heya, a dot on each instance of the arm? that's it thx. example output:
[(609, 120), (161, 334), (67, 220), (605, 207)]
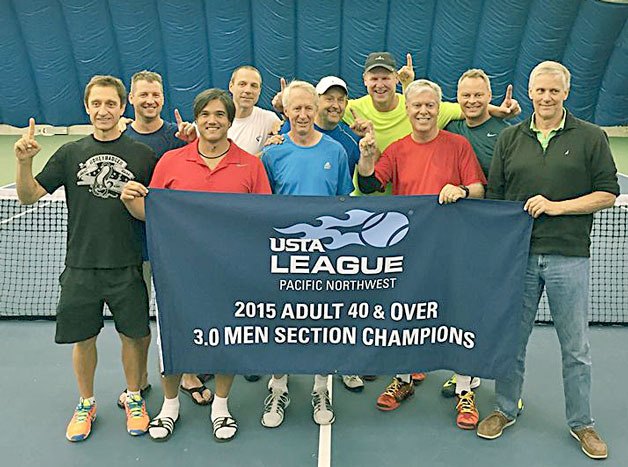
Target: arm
[(587, 204), (133, 194), (28, 189), (452, 193)]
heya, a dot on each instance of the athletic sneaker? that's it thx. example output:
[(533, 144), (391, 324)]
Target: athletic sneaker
[(353, 383), (396, 392), (274, 408), (449, 386), (418, 377), (80, 425), (137, 419), (468, 415), (323, 412)]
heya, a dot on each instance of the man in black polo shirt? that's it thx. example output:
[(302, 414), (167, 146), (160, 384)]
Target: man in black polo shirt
[(563, 169), (103, 258)]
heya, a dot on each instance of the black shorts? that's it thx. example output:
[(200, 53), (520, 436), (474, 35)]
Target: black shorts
[(85, 291)]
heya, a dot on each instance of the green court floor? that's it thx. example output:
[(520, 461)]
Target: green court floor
[(51, 143)]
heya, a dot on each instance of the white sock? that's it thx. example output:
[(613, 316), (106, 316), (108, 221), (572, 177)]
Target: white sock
[(279, 383), (170, 408), (221, 409), (91, 400), (320, 382), (133, 393), (463, 384), (405, 378)]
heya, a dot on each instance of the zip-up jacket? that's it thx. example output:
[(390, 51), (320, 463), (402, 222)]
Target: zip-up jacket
[(576, 162)]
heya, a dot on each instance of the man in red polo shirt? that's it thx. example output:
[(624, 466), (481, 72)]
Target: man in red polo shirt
[(428, 161), (211, 163)]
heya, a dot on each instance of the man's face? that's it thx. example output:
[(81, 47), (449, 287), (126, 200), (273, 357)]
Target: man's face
[(474, 96), (147, 98), (245, 88), (301, 111), (422, 110), (104, 107), (548, 93), (332, 105), (212, 122), (381, 84)]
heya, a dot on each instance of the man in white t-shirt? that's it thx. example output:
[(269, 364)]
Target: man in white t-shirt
[(251, 125)]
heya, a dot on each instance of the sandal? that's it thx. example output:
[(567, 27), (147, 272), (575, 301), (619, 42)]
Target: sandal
[(204, 377), (122, 397), (165, 423), (224, 422), (198, 390)]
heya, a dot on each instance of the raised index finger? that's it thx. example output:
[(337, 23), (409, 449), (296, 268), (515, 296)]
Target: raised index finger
[(282, 83), (31, 128), (508, 97), (177, 117), (409, 60)]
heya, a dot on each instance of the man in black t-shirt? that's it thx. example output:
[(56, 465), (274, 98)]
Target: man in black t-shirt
[(103, 259)]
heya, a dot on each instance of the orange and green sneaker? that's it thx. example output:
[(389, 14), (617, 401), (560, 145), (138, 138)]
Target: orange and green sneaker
[(137, 419), (396, 392), (468, 415), (80, 425)]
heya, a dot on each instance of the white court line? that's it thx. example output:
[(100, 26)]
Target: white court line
[(10, 185), (324, 434), (23, 213)]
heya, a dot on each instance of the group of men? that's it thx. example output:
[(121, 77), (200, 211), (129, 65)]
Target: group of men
[(558, 165)]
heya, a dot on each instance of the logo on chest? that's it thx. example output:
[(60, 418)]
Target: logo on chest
[(104, 174)]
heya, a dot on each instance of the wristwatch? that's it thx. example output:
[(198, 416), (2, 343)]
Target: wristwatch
[(466, 190)]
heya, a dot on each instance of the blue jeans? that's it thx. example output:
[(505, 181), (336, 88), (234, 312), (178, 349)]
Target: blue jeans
[(566, 281)]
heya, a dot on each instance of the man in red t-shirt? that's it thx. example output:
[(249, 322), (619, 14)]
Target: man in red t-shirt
[(428, 161), (211, 163)]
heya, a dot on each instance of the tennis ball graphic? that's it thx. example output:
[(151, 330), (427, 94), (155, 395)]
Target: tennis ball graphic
[(384, 229)]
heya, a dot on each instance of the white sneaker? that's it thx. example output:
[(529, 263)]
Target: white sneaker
[(353, 383), (274, 408), (323, 411)]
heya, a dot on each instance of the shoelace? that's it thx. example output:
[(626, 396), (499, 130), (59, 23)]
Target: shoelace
[(275, 401), (393, 387), (321, 399), (136, 408), (466, 403), (82, 412)]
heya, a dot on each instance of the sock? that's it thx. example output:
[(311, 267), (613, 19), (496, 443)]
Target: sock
[(221, 409), (279, 383), (170, 408), (133, 393), (320, 383), (463, 384), (407, 378), (90, 400)]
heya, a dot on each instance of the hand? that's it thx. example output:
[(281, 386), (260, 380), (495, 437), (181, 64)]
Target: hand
[(123, 123), (509, 108), (26, 147), (450, 194), (132, 190), (368, 146), (406, 72), (539, 204), (276, 102), (360, 126), (276, 127), (186, 131), (274, 140)]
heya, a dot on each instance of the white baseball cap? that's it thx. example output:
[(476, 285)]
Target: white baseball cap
[(327, 82)]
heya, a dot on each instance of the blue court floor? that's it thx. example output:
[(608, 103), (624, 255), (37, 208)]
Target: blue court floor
[(39, 395)]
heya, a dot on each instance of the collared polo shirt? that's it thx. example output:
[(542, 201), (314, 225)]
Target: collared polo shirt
[(544, 140), (237, 172)]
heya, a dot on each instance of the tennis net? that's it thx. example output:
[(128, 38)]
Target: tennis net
[(33, 240)]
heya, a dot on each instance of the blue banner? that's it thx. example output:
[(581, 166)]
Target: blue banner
[(251, 284)]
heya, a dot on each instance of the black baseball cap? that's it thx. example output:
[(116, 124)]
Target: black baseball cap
[(380, 59)]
